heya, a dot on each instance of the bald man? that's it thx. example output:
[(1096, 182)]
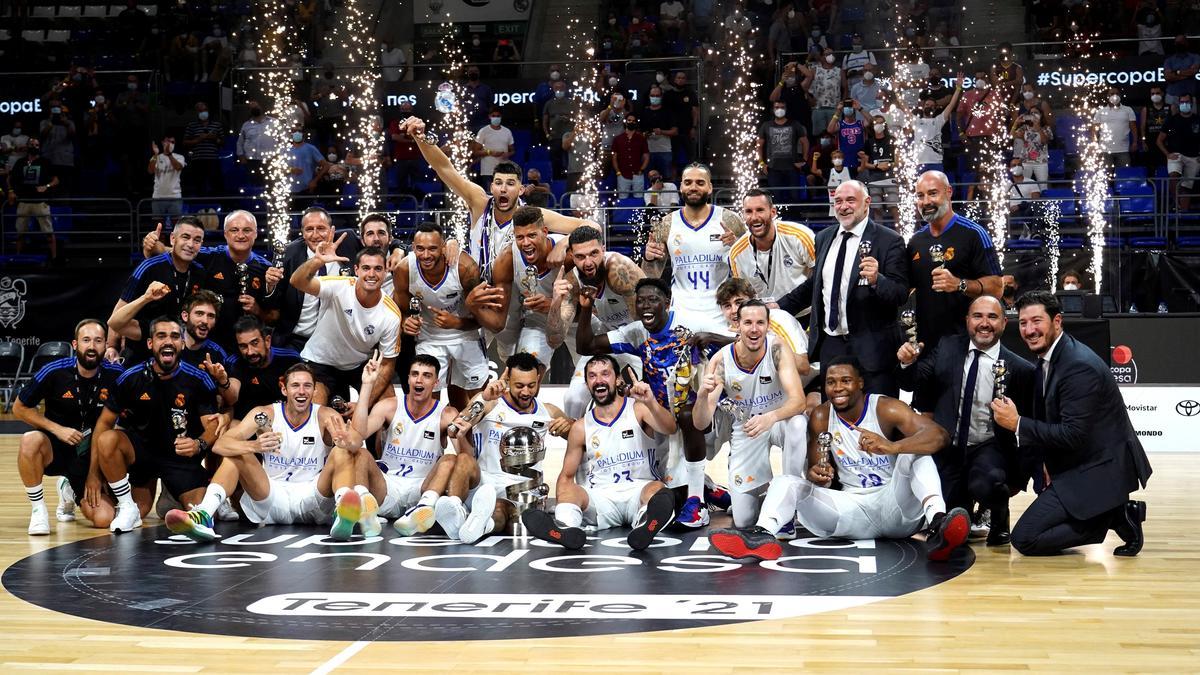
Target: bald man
[(981, 463), (857, 285), (951, 261)]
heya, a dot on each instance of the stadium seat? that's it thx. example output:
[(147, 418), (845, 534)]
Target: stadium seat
[(1023, 244), (1188, 242), (1138, 207), (47, 352), (1057, 165), (1126, 172), (625, 210), (1148, 242), (12, 360), (1068, 208)]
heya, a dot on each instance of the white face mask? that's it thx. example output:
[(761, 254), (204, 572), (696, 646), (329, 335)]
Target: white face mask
[(1155, 98), (829, 58), (332, 157), (780, 112), (1028, 95), (495, 121), (612, 81), (297, 137), (1017, 171), (560, 94), (879, 128), (554, 75), (867, 77), (838, 163), (1114, 99), (660, 78), (1070, 287), (100, 100)]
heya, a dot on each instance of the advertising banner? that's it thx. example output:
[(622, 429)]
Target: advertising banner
[(1166, 419)]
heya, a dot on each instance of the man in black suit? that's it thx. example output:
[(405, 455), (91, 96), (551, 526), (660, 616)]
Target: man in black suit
[(855, 289), (297, 312), (1079, 430), (981, 462)]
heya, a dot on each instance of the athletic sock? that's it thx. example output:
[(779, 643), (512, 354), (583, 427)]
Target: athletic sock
[(362, 490), (695, 478), (428, 498), (933, 506), (337, 496), (122, 491), (36, 496), (214, 496), (570, 515)]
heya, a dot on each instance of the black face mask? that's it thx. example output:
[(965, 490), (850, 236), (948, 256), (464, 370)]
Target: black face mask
[(255, 112), (474, 77)]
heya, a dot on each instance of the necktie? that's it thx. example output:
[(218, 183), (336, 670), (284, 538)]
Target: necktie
[(968, 398), (1039, 391), (835, 293)]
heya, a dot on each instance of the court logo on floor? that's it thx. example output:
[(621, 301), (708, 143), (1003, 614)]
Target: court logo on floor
[(286, 582)]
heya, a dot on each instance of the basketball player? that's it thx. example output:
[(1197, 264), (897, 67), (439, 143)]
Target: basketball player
[(167, 412), (410, 474), (757, 376), (509, 402), (292, 483), (74, 389), (774, 256), (439, 276), (697, 239), (355, 317), (609, 476), (667, 365), (889, 488), (256, 372), (609, 279), (782, 326), (376, 230)]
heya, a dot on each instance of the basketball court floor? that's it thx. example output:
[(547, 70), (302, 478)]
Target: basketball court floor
[(282, 600)]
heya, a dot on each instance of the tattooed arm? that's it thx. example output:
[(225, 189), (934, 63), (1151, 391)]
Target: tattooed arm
[(562, 308), (654, 261), (623, 275)]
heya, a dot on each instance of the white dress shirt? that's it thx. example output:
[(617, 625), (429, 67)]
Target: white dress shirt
[(312, 305), (981, 399), (847, 275)]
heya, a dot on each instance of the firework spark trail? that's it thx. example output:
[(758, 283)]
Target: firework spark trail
[(358, 45), (1094, 138), (451, 100), (743, 109), (1051, 212), (904, 142), (587, 131)]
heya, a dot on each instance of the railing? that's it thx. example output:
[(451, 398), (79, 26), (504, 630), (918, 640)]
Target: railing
[(98, 227)]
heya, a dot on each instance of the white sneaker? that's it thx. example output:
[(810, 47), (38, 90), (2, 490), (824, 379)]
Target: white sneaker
[(39, 520), (479, 521), (128, 519), (416, 520), (226, 513), (450, 513), (368, 522), (981, 524), (65, 511)]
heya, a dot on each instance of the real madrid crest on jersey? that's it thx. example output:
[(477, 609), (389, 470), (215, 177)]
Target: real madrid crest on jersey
[(596, 443), (787, 261), (399, 428)]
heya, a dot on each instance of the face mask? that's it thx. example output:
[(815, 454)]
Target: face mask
[(554, 75), (879, 128), (475, 42), (847, 111), (1155, 98), (1028, 95), (495, 121), (1017, 171), (631, 125), (131, 85), (203, 116), (867, 77), (838, 163), (1151, 20), (560, 94), (791, 13), (825, 142), (100, 100), (297, 137), (816, 33), (1114, 99), (55, 110), (332, 157), (1070, 287), (17, 131), (607, 44), (789, 81), (829, 58), (1185, 108), (635, 21), (612, 81), (655, 100), (612, 22), (660, 78), (781, 112)]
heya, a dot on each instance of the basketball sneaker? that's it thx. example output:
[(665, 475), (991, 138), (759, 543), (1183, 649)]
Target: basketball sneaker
[(369, 521), (654, 517), (981, 524), (543, 526), (65, 511), (948, 532), (787, 532), (39, 520), (416, 519), (479, 520), (450, 513), (226, 513), (196, 524), (693, 514), (345, 516), (717, 497), (756, 542), (127, 519)]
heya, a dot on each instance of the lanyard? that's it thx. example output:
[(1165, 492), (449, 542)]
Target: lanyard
[(89, 404), (770, 261)]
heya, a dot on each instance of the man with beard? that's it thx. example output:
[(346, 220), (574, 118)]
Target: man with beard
[(439, 276), (200, 311), (699, 236), (609, 477), (355, 317), (981, 463), (889, 488), (413, 469), (757, 376), (167, 412), (241, 278), (667, 366), (177, 269), (858, 284), (256, 371), (74, 390), (780, 325), (297, 311), (375, 229), (505, 404), (1079, 431), (773, 255), (950, 261), (609, 279)]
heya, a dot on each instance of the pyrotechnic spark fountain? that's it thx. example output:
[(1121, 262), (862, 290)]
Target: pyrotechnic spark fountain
[(1095, 186), (587, 131), (367, 132), (450, 99), (743, 113), (1051, 212)]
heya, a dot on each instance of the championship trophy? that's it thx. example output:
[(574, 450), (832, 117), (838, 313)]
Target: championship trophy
[(339, 405), (937, 253), (1000, 372), (179, 422), (243, 277), (864, 250), (825, 441), (739, 413), (521, 453), (682, 375), (262, 422), (908, 319), (470, 416)]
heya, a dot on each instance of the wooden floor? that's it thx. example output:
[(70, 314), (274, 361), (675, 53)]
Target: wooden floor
[(1084, 612)]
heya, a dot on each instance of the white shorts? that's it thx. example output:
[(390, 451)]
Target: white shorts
[(577, 399), (869, 515), (1185, 166), (533, 341), (750, 458), (401, 494), (463, 364), (614, 506), (747, 505), (289, 504)]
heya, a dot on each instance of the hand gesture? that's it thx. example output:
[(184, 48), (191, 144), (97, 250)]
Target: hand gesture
[(642, 393), (727, 235), (710, 384), (157, 290), (151, 241), (269, 441), (908, 352), (537, 303), (112, 355), (68, 435), (560, 426), (370, 371), (944, 281), (327, 250), (758, 425), (215, 423), (562, 285), (1004, 411), (215, 369), (820, 475), (412, 325), (413, 126), (485, 296), (495, 389), (655, 250), (869, 441), (868, 268)]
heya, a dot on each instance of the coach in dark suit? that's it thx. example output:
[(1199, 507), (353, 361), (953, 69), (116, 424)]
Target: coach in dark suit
[(981, 463), (849, 318), (1078, 427), (315, 227)]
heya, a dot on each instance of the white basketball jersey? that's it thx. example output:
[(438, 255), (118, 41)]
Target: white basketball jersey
[(498, 422), (700, 262), (609, 309), (413, 446), (616, 454), (543, 284), (447, 295), (756, 391), (857, 470), (785, 328), (302, 450), (488, 237)]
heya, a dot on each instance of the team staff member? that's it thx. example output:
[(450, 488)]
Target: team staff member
[(74, 389), (773, 255), (256, 371), (167, 412), (297, 311)]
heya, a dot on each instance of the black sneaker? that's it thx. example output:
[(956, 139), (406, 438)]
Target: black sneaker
[(659, 513), (755, 542), (949, 531), (543, 526)]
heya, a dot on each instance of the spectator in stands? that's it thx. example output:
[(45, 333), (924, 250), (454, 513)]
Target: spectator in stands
[(544, 92), (1180, 70), (506, 52), (1007, 75), (30, 182), (847, 126), (836, 175), (855, 63), (661, 128), (578, 154), (1070, 282), (979, 113), (535, 192), (557, 119), (927, 129), (779, 36), (57, 133), (215, 55), (630, 156), (183, 57), (13, 145), (1121, 124), (1031, 145), (660, 193), (133, 28), (683, 101), (866, 90), (670, 15), (825, 87), (478, 99), (496, 144), (1149, 22), (306, 164), (612, 119), (393, 60), (406, 158), (816, 44), (96, 149), (791, 91), (1023, 191), (202, 140), (328, 101), (612, 38), (782, 147), (1180, 142), (167, 167), (701, 16), (1032, 104), (254, 144), (296, 114), (131, 113), (820, 162), (877, 161), (332, 181), (1153, 120)]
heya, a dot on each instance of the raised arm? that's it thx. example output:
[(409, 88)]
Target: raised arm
[(123, 319), (472, 194), (562, 308), (654, 260), (304, 279), (710, 391), (236, 441), (650, 413)]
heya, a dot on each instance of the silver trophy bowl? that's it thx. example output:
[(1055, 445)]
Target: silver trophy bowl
[(521, 450)]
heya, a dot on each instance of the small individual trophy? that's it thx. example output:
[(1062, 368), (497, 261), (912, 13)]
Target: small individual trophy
[(277, 260), (864, 250), (908, 319), (470, 416), (344, 270), (825, 441), (179, 422), (937, 253), (415, 306), (588, 291), (262, 422), (739, 413), (1000, 373), (243, 277), (521, 453), (529, 281), (339, 405)]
